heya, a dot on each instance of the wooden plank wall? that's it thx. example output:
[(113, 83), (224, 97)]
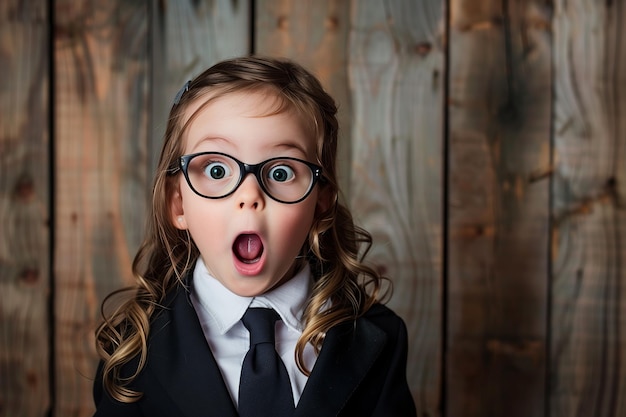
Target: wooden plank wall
[(483, 145), (24, 208), (589, 210), (396, 66), (499, 156), (100, 107)]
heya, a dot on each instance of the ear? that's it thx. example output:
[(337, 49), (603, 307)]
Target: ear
[(324, 200), (177, 214)]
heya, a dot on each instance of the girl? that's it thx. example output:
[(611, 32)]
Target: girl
[(245, 214)]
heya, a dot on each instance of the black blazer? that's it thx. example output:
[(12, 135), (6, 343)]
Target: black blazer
[(360, 371)]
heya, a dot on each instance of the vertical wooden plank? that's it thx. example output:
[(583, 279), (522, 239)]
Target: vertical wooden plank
[(101, 85), (24, 210), (187, 37), (589, 235), (396, 79), (499, 159), (314, 34)]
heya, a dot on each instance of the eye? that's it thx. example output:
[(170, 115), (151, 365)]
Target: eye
[(217, 170), (281, 173)]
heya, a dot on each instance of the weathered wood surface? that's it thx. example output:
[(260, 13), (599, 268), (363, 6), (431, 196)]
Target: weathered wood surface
[(24, 209), (315, 34), (396, 80), (498, 210), (101, 102), (187, 37), (589, 233)]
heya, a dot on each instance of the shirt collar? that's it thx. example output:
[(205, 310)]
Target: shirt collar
[(227, 308)]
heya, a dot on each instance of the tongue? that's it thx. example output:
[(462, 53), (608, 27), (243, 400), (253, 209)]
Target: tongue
[(248, 247)]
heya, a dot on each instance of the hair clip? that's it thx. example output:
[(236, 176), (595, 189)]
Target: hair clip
[(180, 93)]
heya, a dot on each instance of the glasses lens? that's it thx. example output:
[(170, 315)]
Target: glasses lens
[(213, 175), (287, 179)]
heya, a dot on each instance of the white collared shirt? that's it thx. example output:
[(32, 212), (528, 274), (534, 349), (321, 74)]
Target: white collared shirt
[(220, 310)]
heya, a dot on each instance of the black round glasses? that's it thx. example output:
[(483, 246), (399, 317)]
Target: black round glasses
[(217, 175)]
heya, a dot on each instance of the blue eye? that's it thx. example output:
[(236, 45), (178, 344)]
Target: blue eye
[(281, 173), (217, 171)]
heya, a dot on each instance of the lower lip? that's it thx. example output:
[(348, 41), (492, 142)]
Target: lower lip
[(249, 269)]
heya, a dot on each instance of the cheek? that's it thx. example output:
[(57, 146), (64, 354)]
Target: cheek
[(295, 226), (201, 216)]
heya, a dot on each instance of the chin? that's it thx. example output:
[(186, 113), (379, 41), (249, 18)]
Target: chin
[(248, 289)]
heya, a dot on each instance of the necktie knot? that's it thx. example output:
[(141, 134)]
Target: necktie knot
[(260, 322)]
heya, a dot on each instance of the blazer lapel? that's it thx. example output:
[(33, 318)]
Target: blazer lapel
[(348, 352), (182, 361)]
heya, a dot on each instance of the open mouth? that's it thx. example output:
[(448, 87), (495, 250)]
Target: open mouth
[(248, 248)]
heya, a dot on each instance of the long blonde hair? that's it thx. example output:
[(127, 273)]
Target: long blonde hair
[(344, 287)]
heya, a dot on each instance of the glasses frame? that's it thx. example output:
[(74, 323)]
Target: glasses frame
[(244, 170)]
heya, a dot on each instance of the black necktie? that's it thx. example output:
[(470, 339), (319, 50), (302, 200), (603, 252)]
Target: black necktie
[(264, 388)]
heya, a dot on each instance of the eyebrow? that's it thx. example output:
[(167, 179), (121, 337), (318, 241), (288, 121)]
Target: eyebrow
[(211, 139), (289, 146)]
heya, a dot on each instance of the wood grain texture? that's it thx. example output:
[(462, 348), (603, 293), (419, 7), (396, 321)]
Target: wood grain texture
[(499, 160), (514, 68), (101, 101), (24, 210), (396, 83), (187, 37), (314, 33), (589, 234)]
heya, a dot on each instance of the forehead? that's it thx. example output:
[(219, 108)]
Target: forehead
[(236, 115), (258, 102)]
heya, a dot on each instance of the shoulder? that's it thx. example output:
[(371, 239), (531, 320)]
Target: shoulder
[(384, 390), (385, 318), (378, 324), (177, 298), (162, 326), (381, 311)]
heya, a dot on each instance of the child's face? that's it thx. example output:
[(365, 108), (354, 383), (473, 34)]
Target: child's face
[(247, 240)]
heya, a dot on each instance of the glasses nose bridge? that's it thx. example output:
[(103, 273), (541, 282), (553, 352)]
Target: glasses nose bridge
[(254, 169)]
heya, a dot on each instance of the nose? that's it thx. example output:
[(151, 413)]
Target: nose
[(249, 194)]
